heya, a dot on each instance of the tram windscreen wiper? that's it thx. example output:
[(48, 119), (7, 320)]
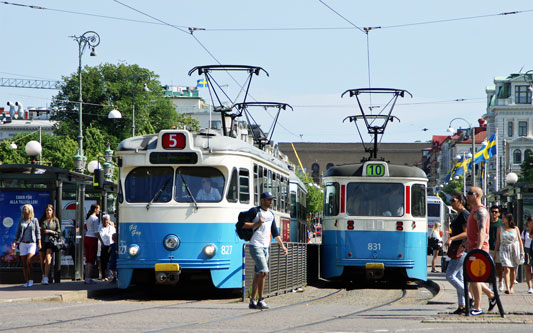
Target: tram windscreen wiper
[(189, 191), (158, 194)]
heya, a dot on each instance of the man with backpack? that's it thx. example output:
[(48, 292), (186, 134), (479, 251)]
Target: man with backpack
[(264, 225)]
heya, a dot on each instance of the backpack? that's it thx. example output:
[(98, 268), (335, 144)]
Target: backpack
[(245, 216)]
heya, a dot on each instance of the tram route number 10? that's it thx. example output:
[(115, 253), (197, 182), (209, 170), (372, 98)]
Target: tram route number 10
[(375, 170), (374, 246)]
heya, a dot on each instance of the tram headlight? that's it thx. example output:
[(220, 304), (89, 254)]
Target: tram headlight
[(133, 250), (171, 242), (210, 250)]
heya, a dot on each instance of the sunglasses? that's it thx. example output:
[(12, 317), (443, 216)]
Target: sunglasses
[(495, 212), (453, 200), (471, 193)]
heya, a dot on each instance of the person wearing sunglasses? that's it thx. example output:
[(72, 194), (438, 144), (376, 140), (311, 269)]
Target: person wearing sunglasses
[(495, 223), (454, 271), (477, 236)]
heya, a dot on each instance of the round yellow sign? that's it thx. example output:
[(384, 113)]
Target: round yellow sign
[(478, 268)]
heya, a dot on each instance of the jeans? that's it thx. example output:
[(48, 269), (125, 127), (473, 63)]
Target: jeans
[(454, 275)]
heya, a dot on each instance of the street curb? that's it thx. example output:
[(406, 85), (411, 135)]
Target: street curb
[(67, 296), (440, 290)]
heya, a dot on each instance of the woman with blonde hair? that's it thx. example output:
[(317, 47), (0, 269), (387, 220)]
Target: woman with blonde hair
[(435, 240), (510, 250), (28, 238)]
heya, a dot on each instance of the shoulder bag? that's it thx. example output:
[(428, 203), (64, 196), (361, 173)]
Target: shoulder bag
[(456, 250)]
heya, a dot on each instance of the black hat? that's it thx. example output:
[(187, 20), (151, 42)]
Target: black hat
[(266, 195)]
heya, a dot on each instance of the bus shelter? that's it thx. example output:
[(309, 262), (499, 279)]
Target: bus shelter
[(70, 193)]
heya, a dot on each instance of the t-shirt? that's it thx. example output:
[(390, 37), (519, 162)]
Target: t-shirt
[(261, 236), (213, 195), (493, 233), (527, 239), (107, 234), (92, 226), (458, 224), (472, 231)]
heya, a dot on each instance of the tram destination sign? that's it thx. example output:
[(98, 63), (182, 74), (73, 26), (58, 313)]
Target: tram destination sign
[(173, 158)]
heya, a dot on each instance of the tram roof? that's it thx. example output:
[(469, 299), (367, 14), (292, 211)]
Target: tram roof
[(351, 170), (217, 143)]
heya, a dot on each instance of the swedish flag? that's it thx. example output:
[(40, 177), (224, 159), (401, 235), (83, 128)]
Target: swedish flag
[(488, 151), (202, 83)]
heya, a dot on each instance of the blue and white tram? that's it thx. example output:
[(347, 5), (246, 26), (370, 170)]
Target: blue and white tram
[(181, 195), (375, 222)]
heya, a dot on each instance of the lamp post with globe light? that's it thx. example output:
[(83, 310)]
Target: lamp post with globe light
[(88, 39)]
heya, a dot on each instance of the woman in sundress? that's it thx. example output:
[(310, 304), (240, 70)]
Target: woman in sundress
[(510, 250)]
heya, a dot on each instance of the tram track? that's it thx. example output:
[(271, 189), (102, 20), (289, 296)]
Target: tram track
[(250, 314)]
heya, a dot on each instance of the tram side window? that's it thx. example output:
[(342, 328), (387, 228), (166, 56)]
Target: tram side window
[(331, 199), (418, 200), (233, 188), (375, 199), (244, 186), (205, 183), (149, 184)]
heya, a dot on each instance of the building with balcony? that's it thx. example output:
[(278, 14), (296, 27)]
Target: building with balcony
[(510, 114)]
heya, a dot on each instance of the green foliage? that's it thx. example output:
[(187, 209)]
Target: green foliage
[(454, 186), (121, 86), (57, 151), (526, 168), (315, 196)]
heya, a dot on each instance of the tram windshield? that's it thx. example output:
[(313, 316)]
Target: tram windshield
[(204, 184), (375, 199), (149, 184)]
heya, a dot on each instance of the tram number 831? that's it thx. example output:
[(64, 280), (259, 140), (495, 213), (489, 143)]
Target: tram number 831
[(374, 246)]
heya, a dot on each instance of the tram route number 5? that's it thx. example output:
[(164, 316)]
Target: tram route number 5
[(374, 246)]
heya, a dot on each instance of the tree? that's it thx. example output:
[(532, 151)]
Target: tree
[(315, 200), (107, 86), (454, 186), (57, 151), (526, 168)]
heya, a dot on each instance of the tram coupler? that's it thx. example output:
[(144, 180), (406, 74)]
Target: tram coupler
[(374, 271), (167, 274)]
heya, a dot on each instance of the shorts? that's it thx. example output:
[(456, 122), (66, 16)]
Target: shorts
[(528, 256), (260, 256), (495, 257), (27, 248), (90, 247)]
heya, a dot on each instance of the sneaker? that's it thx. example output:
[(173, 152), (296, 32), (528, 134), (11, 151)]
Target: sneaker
[(502, 286), (262, 305), (492, 303), (459, 311), (44, 281), (476, 312), (530, 291), (25, 285), (253, 304), (30, 283), (89, 281)]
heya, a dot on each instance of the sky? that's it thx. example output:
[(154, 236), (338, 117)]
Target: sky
[(313, 50)]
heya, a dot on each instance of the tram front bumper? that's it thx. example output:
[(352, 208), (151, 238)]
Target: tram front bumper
[(167, 273)]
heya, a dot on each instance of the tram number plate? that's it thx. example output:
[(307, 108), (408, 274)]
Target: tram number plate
[(375, 265), (375, 170)]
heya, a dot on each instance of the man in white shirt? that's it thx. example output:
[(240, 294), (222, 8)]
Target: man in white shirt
[(208, 193), (264, 226)]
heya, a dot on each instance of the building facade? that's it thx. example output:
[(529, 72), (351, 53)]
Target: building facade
[(510, 114)]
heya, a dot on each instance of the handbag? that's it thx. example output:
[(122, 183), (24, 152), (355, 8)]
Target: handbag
[(456, 250), (57, 243)]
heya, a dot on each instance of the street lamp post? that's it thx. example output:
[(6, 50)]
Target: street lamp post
[(92, 40), (473, 131), (136, 78)]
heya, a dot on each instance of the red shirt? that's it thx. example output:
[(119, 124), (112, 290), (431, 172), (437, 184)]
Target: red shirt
[(472, 231)]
